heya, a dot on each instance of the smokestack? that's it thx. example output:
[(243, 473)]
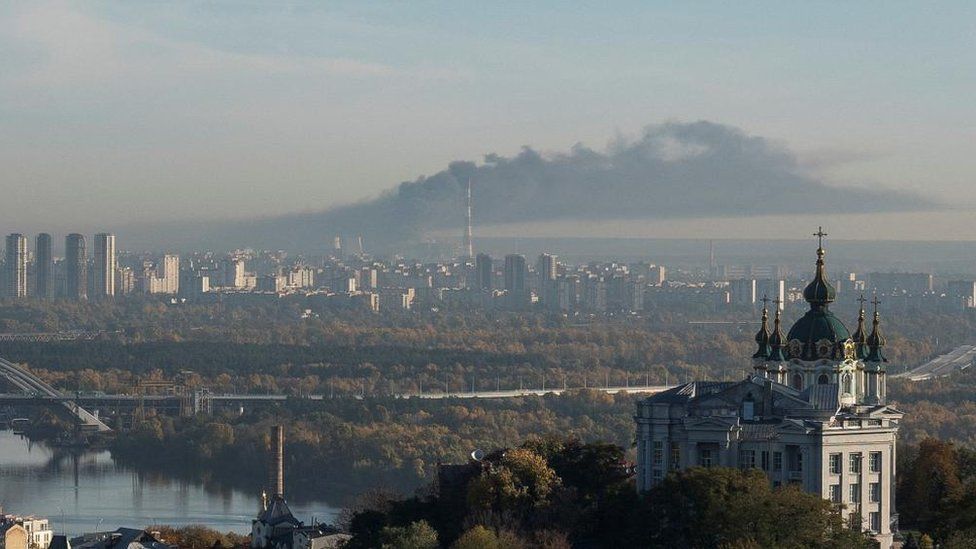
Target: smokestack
[(468, 245), (276, 474)]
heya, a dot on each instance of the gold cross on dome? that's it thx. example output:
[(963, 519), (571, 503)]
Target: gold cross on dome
[(820, 234)]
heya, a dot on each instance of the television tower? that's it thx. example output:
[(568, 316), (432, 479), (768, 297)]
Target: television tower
[(468, 250)]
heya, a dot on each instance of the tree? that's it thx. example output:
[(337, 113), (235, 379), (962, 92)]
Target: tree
[(478, 537), (416, 535), (517, 481), (726, 507), (930, 488)]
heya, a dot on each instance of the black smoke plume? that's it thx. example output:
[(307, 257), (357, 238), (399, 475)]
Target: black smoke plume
[(673, 170)]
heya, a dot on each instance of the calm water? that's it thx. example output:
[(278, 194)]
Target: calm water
[(88, 488)]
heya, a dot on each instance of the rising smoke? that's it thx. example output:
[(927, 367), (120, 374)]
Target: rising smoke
[(673, 170)]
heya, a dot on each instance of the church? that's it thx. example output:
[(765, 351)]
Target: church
[(813, 413)]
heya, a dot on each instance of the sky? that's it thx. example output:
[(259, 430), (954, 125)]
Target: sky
[(122, 113)]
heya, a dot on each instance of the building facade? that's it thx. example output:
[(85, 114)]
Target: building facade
[(15, 266), (43, 267), (103, 268), (812, 414), (75, 267)]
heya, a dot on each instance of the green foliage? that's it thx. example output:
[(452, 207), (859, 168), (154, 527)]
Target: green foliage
[(730, 508), (416, 535), (519, 490)]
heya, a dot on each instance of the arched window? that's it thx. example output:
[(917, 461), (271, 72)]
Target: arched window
[(823, 379), (797, 381), (848, 388)]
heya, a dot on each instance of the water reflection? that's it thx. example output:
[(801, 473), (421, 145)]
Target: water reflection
[(76, 491)]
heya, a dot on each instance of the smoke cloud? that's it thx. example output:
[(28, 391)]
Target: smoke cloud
[(673, 170)]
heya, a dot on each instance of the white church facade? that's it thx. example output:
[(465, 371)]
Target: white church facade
[(813, 414)]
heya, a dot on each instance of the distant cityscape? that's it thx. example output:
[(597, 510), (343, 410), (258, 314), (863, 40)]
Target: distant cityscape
[(352, 279)]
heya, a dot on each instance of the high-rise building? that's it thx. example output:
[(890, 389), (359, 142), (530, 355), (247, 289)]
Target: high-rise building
[(75, 267), (43, 267), (545, 270), (169, 271), (103, 269), (516, 274), (15, 266), (483, 271), (234, 273)]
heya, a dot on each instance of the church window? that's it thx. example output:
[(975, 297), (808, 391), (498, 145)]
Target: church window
[(777, 461), (875, 462), (797, 381), (835, 493), (823, 379), (675, 459), (835, 464), (855, 463), (705, 457), (874, 492), (855, 493)]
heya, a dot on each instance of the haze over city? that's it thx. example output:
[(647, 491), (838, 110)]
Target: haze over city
[(487, 275), (122, 115)]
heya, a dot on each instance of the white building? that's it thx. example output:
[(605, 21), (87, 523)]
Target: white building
[(812, 414)]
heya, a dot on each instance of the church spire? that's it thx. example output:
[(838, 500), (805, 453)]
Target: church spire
[(876, 341), (819, 292), (860, 336), (762, 337), (777, 353)]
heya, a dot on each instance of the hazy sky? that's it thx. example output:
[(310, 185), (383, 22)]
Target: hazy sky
[(118, 112)]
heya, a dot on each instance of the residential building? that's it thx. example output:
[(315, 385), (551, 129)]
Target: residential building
[(483, 271), (103, 268), (15, 266), (516, 277), (75, 267), (43, 267)]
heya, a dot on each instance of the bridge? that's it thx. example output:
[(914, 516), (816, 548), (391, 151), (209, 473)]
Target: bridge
[(34, 387), (960, 358), (202, 401)]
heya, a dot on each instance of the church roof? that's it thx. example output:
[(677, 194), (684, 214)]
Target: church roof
[(278, 513), (823, 397)]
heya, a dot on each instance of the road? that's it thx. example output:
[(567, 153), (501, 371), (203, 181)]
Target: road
[(957, 359)]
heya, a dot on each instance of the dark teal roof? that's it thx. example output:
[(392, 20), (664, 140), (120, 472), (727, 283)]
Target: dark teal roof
[(816, 325), (819, 291)]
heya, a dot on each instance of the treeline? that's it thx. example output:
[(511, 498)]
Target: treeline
[(336, 449), (558, 493)]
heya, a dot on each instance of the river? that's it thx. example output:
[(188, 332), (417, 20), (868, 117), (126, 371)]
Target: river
[(86, 492)]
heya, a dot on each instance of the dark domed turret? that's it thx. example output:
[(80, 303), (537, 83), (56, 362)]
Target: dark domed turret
[(876, 341), (819, 292), (762, 337)]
